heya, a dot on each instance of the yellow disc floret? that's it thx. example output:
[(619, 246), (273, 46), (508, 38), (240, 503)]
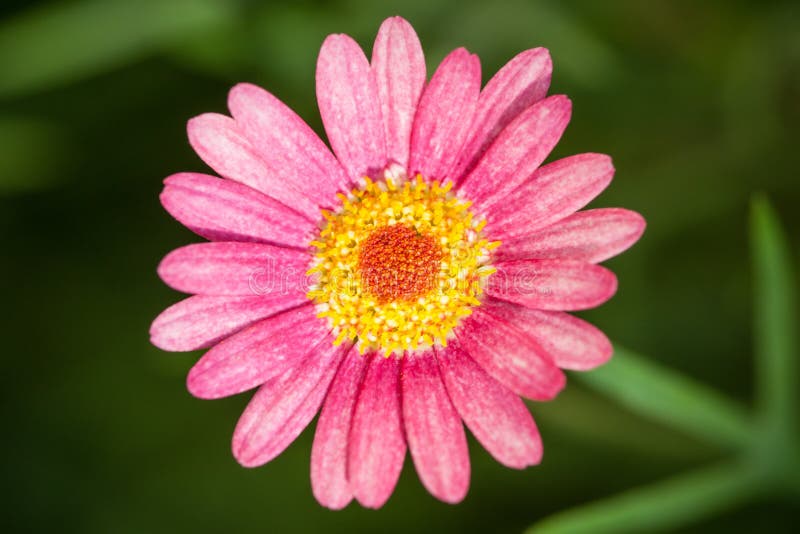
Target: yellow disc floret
[(399, 264)]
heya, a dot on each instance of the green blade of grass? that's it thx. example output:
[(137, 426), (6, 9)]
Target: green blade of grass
[(61, 43), (649, 389), (669, 504), (775, 325)]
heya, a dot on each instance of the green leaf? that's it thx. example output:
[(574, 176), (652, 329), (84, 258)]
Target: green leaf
[(665, 505), (649, 389), (775, 321), (61, 43), (586, 414)]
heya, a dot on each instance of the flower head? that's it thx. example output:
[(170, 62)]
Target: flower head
[(415, 277)]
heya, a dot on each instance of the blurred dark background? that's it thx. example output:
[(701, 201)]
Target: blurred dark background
[(697, 102)]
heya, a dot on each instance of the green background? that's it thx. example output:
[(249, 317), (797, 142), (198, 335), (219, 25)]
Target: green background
[(697, 102)]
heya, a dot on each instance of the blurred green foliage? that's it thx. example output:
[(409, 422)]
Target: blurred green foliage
[(698, 103)]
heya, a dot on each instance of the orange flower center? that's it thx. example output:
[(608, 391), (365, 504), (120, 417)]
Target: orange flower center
[(399, 263)]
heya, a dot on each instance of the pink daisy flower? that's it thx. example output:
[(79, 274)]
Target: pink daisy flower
[(414, 278)]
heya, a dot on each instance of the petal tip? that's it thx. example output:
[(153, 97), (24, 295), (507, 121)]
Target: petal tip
[(558, 381), (244, 87), (558, 384), (158, 337), (198, 123), (371, 502), (563, 103), (198, 385), (174, 179), (164, 269), (338, 40), (538, 52), (537, 456), (395, 21), (242, 451), (242, 92), (612, 285), (242, 458), (530, 458), (332, 504), (605, 163), (639, 224), (452, 499), (156, 341), (463, 55)]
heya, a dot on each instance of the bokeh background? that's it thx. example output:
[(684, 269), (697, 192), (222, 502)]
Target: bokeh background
[(698, 103)]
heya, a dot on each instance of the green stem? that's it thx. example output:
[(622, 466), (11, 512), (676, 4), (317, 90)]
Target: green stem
[(666, 505), (649, 389), (775, 333)]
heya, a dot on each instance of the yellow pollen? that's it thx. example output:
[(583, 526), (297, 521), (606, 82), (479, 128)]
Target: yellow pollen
[(399, 264)]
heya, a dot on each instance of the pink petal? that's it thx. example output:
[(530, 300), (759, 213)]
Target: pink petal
[(244, 269), (510, 356), (284, 406), (220, 142), (553, 192), (552, 284), (288, 144), (434, 431), (444, 115), (497, 417), (329, 453), (591, 236), (351, 110), (399, 66), (521, 82), (223, 210), (517, 152), (572, 343), (199, 322), (260, 352), (377, 445)]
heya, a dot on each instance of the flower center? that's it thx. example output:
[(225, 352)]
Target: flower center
[(399, 264)]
